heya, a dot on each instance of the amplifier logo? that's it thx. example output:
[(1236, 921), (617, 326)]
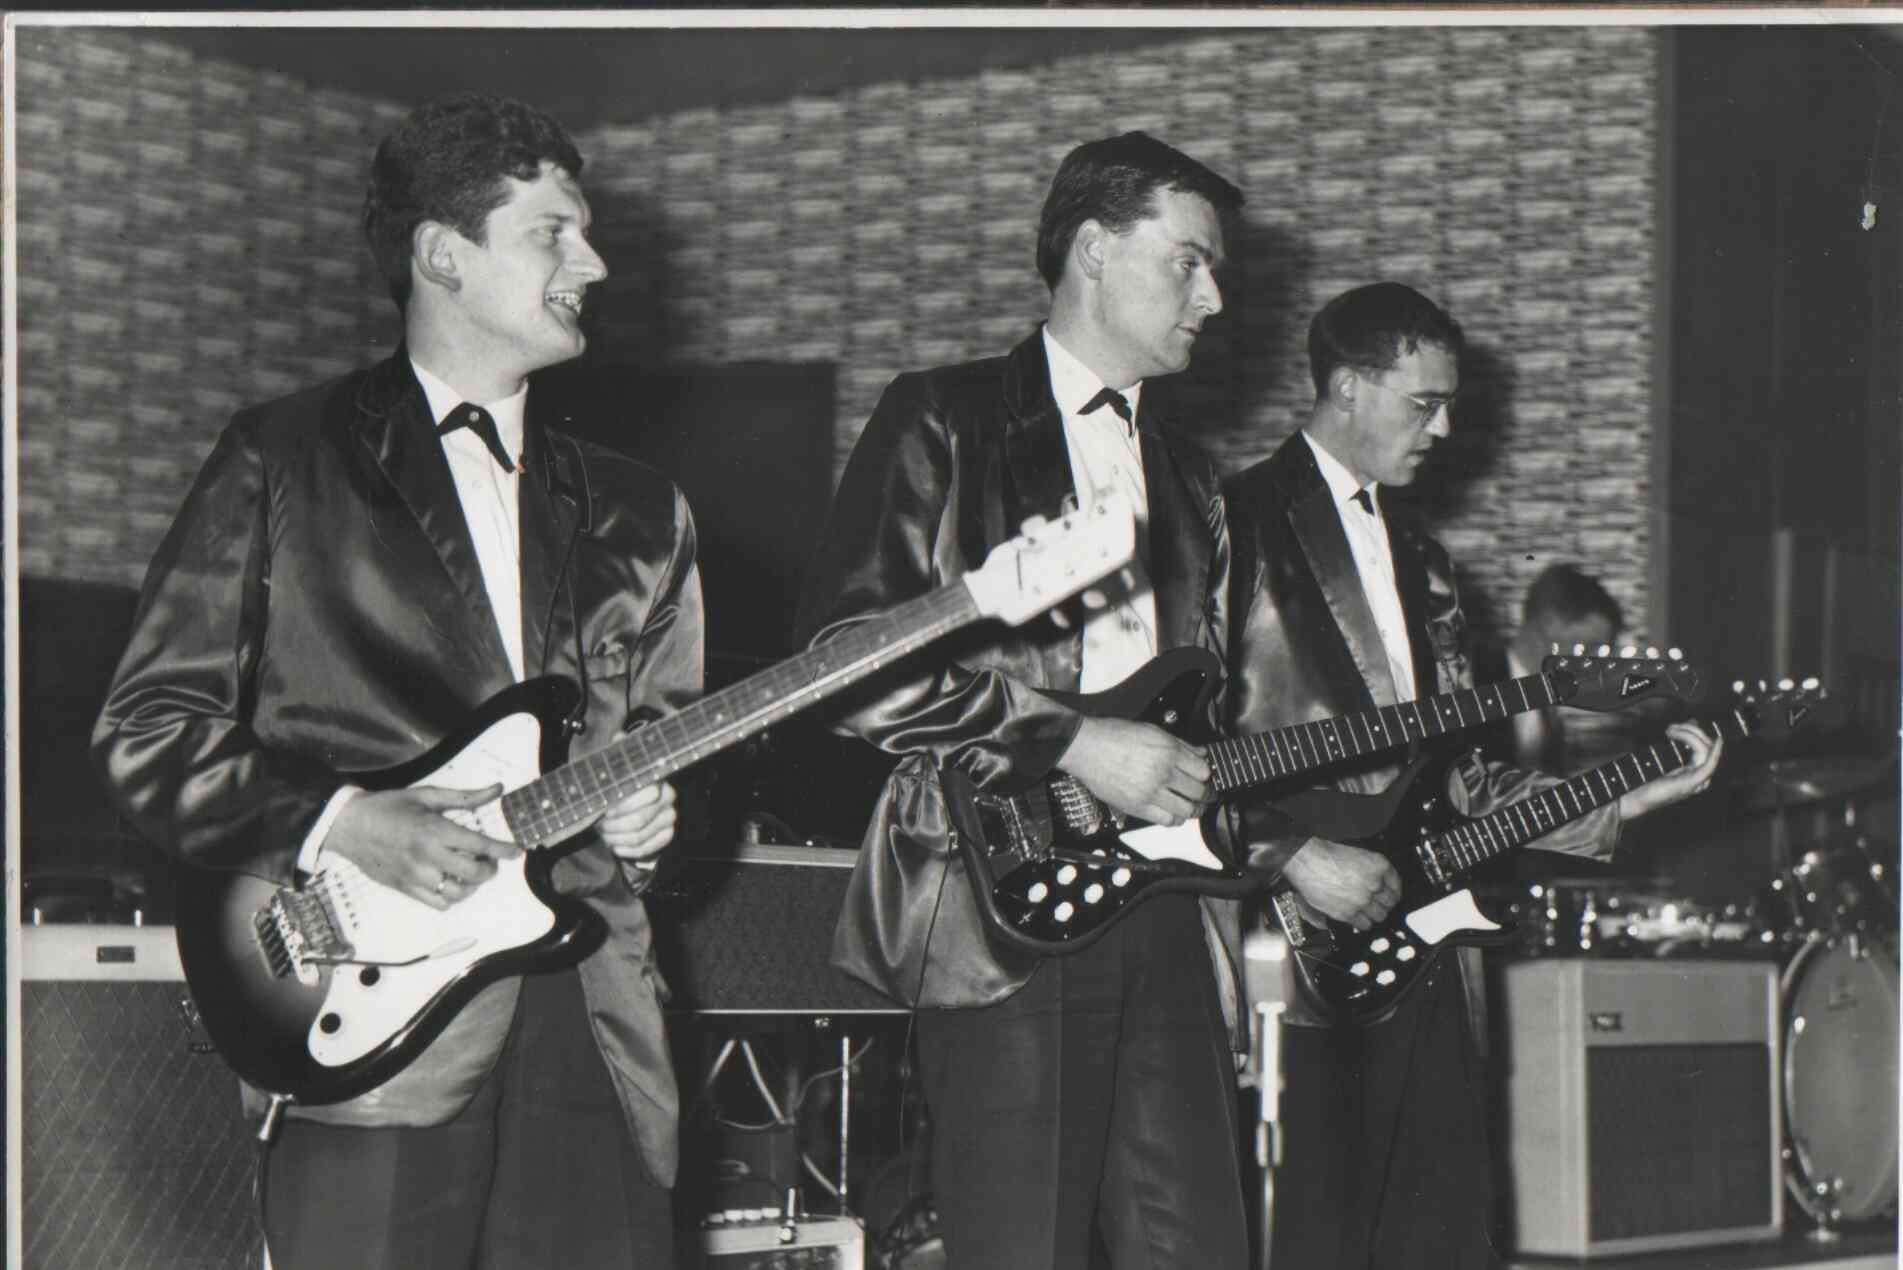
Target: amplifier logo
[(1605, 1021)]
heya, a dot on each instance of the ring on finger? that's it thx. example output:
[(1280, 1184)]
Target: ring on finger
[(442, 884)]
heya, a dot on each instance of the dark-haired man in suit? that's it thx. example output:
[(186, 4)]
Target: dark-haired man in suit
[(1092, 1094), (356, 568), (1343, 603)]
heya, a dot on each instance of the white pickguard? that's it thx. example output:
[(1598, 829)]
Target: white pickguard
[(386, 926), (1165, 842), (1448, 915)]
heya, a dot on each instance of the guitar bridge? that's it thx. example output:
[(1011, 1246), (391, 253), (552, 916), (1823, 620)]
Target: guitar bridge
[(1297, 928), (1436, 862), (298, 931)]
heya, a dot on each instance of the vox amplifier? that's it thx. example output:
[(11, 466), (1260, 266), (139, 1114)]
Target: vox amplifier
[(134, 1155), (1642, 1104)]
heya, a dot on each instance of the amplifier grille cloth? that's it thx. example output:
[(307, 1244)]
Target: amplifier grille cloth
[(1678, 1138), (133, 1154)]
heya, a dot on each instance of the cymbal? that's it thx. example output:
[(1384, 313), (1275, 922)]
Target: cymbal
[(1793, 782)]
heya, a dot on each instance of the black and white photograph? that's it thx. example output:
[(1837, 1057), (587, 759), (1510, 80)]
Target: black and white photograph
[(953, 639)]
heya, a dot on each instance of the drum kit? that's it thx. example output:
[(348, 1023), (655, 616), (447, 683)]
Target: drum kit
[(1830, 916), (1839, 994)]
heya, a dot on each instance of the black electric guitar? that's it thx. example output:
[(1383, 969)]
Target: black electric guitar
[(1053, 866), (1365, 975), (323, 991)]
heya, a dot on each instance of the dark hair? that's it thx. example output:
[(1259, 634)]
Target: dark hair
[(1371, 327), (447, 163), (1114, 182), (1566, 592)]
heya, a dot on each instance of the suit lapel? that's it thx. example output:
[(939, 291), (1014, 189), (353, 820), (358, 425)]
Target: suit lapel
[(1410, 577), (1178, 548), (394, 423), (1316, 525), (550, 511), (1035, 451)]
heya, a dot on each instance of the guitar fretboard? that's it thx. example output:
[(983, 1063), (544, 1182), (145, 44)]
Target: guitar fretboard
[(1240, 762), (1476, 841), (555, 806)]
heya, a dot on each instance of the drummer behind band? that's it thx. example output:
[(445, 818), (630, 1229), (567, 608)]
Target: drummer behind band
[(1567, 607)]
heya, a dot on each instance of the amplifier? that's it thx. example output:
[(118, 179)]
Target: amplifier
[(775, 1243), (134, 1155), (748, 929), (1642, 1104)]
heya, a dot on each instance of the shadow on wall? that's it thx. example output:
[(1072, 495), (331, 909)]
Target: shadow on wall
[(1238, 359)]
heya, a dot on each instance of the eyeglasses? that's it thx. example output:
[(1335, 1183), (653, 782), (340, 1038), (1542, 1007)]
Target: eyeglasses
[(1425, 408)]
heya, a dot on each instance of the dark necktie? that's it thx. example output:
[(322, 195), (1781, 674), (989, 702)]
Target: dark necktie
[(483, 424), (1367, 503), (1117, 402)]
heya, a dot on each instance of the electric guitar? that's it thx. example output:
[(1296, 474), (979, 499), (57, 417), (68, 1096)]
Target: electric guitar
[(1364, 975), (1054, 867), (323, 991)]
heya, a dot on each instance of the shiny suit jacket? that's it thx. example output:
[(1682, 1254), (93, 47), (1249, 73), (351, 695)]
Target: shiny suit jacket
[(317, 608), (1306, 647), (951, 463)]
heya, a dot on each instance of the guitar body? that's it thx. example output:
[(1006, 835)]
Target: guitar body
[(1365, 975), (358, 1011), (1050, 872)]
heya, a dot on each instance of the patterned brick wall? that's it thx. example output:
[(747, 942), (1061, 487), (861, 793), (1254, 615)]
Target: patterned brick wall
[(1507, 171), (188, 244)]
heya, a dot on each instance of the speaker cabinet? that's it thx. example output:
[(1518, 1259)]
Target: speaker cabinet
[(749, 929), (1642, 1104), (134, 1155)]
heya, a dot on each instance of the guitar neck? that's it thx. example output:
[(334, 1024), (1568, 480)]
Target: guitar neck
[(1474, 842), (1240, 762), (552, 808)]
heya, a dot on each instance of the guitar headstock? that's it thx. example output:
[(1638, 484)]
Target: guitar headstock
[(1601, 681), (1774, 711), (1053, 560)]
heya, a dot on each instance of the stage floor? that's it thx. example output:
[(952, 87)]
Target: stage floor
[(1859, 1249)]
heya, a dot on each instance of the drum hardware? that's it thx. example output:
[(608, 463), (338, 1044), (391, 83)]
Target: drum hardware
[(1797, 782), (1597, 919), (1840, 1077)]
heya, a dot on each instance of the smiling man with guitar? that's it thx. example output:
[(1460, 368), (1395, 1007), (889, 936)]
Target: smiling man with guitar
[(355, 569), (1343, 604)]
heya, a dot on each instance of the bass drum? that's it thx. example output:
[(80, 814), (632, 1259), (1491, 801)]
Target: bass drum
[(1840, 1078)]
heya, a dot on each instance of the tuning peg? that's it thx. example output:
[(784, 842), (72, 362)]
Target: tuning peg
[(1812, 684), (1579, 650), (1651, 652), (1737, 686), (1785, 685), (1675, 654), (1605, 650), (1630, 650)]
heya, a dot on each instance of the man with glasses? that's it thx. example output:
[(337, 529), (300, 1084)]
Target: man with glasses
[(1342, 604)]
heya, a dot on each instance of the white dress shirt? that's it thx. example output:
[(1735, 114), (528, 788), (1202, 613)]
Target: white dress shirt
[(488, 497), (1106, 456), (1374, 560)]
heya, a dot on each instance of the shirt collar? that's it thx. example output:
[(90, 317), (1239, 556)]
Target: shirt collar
[(1073, 383), (1341, 482), (508, 413)]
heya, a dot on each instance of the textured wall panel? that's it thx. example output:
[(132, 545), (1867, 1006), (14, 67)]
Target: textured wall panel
[(188, 243)]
